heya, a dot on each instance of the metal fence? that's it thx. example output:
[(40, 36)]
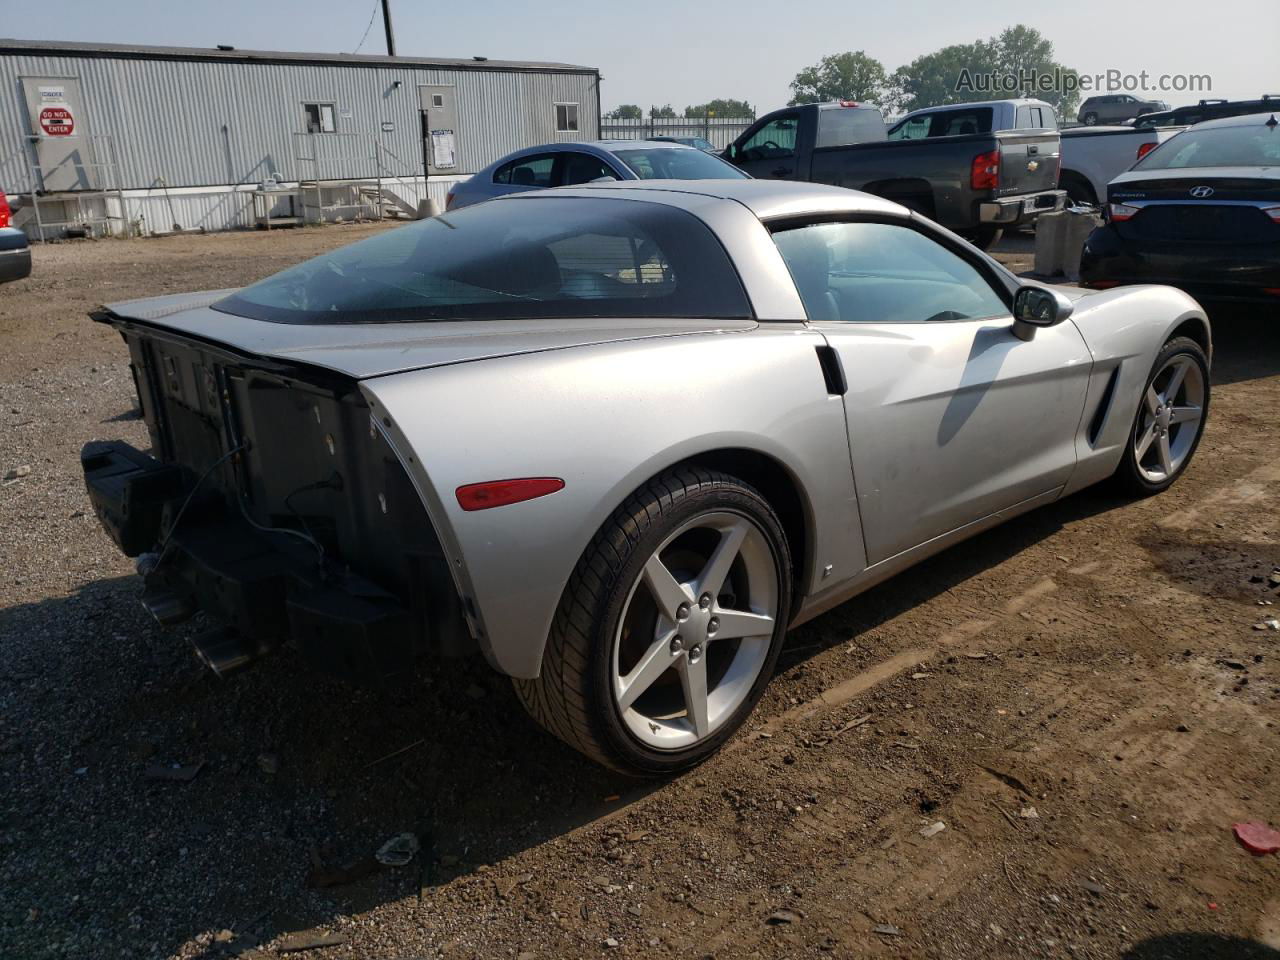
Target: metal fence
[(721, 131)]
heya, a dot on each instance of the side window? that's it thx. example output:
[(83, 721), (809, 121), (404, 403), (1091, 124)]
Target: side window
[(775, 139), (583, 168), (566, 118), (954, 123), (917, 128), (883, 273), (319, 117), (1032, 117), (535, 171)]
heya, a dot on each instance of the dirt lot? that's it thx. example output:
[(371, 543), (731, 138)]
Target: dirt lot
[(1079, 697)]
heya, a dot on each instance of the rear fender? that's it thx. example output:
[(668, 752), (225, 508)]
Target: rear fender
[(606, 419)]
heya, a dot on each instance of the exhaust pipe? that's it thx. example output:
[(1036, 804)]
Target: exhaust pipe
[(168, 608), (224, 651)]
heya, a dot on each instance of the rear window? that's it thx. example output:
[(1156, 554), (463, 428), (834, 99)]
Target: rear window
[(564, 257), (841, 126), (668, 163), (1036, 117), (1255, 145)]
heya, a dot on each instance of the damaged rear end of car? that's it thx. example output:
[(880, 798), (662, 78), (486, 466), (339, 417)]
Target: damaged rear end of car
[(271, 501)]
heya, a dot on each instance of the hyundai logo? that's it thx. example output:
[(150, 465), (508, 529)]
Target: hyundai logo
[(1202, 193)]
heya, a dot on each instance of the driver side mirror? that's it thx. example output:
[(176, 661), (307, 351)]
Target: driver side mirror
[(1035, 307)]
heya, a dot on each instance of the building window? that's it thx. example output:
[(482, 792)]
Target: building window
[(319, 117), (437, 99), (566, 118)]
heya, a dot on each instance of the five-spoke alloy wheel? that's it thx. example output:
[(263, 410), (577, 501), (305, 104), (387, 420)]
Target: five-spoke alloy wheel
[(696, 630), (1170, 419), (670, 626)]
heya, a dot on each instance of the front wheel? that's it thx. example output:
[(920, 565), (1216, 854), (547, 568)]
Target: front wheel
[(1090, 119), (669, 628), (1170, 420)]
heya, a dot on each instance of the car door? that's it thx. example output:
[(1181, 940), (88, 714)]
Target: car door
[(951, 417), (770, 150)]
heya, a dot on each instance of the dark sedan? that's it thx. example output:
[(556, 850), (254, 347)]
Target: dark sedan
[(1200, 212)]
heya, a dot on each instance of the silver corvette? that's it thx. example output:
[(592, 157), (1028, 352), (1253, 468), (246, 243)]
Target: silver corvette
[(619, 438)]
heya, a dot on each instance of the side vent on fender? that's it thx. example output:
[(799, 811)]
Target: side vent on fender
[(1104, 407), (832, 370)]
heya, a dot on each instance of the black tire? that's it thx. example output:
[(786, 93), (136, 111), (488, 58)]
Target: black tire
[(572, 698), (1090, 119), (1079, 190), (1128, 478), (984, 237)]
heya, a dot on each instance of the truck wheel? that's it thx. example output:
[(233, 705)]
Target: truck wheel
[(669, 628), (1090, 119), (984, 238), (1079, 190), (1170, 420)]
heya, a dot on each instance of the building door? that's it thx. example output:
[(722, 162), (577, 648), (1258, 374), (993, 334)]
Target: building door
[(59, 134), (439, 128)]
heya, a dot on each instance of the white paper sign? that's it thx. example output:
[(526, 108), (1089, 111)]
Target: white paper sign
[(443, 149)]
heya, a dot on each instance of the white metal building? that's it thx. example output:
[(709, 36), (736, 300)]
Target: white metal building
[(109, 138)]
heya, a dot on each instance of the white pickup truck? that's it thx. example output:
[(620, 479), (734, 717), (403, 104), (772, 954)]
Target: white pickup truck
[(1094, 156), (1091, 156)]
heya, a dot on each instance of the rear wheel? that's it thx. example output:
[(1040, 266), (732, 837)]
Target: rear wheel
[(669, 628), (1079, 190), (984, 237), (1170, 420)]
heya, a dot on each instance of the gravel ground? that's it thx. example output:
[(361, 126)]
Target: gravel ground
[(1079, 697)]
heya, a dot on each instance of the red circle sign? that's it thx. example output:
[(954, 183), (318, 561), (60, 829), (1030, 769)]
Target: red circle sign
[(57, 122)]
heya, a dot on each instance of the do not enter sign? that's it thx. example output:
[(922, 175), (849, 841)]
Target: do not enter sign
[(57, 122)]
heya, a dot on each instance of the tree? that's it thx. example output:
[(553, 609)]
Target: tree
[(662, 113), (1026, 54), (628, 111), (1019, 62), (841, 76), (721, 107), (931, 80)]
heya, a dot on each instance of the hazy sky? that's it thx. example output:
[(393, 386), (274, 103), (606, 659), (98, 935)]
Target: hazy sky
[(661, 51)]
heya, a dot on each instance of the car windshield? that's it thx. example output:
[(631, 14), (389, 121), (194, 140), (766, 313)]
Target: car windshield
[(668, 163), (1255, 145), (566, 257)]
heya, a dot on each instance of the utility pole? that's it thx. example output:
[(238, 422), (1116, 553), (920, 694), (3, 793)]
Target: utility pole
[(386, 22)]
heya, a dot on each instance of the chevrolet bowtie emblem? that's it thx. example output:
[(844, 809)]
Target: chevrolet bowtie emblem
[(1033, 165)]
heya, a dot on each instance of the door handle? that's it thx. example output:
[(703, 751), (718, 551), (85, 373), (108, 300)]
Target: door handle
[(781, 171), (1033, 149)]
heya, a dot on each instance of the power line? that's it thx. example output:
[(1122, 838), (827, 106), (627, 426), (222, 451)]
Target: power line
[(368, 27)]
